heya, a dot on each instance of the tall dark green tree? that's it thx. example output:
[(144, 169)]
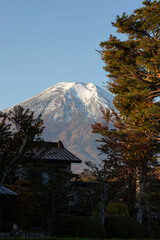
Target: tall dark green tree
[(58, 194), (130, 155), (133, 68), (100, 177)]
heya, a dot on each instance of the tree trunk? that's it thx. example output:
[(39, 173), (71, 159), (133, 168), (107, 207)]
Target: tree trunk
[(141, 201), (132, 195), (11, 165), (51, 216), (103, 201)]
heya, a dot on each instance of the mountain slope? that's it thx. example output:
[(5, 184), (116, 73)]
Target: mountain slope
[(68, 110)]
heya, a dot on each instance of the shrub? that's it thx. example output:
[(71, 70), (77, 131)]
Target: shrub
[(117, 209), (80, 227), (156, 230), (123, 227)]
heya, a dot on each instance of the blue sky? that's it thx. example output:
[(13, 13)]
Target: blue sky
[(43, 42)]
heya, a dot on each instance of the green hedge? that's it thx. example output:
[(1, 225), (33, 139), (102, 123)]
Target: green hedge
[(117, 209), (80, 227), (123, 227), (156, 230)]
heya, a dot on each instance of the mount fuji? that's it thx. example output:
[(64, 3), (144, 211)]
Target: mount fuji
[(68, 110)]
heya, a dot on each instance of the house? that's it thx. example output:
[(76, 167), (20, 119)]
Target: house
[(40, 165), (4, 192), (45, 159), (53, 154)]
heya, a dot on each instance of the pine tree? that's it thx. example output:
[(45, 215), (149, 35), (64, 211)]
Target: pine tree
[(129, 155), (133, 68)]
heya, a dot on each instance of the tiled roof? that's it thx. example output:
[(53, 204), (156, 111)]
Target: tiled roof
[(6, 191), (53, 151)]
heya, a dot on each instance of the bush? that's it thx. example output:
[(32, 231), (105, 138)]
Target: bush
[(123, 227), (156, 230), (80, 227), (117, 209)]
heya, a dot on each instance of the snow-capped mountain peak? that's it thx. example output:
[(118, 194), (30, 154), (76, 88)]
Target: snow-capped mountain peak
[(64, 99), (68, 110)]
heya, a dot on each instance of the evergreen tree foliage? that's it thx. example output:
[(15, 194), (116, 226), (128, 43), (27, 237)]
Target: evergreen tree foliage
[(58, 195), (99, 173), (25, 209), (129, 155), (121, 227), (117, 209), (133, 67)]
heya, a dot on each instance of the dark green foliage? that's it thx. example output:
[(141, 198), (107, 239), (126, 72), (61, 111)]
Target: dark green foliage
[(45, 238), (84, 198), (101, 178), (156, 230), (80, 227), (128, 156), (133, 67), (117, 209), (57, 198), (153, 192), (25, 209), (133, 70), (32, 238), (37, 206), (18, 129), (123, 227)]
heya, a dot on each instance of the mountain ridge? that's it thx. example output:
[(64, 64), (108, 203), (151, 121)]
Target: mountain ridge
[(68, 110)]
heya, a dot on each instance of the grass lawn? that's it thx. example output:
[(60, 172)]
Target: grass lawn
[(69, 238)]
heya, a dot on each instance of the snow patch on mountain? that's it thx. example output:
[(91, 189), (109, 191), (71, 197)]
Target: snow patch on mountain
[(68, 110)]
